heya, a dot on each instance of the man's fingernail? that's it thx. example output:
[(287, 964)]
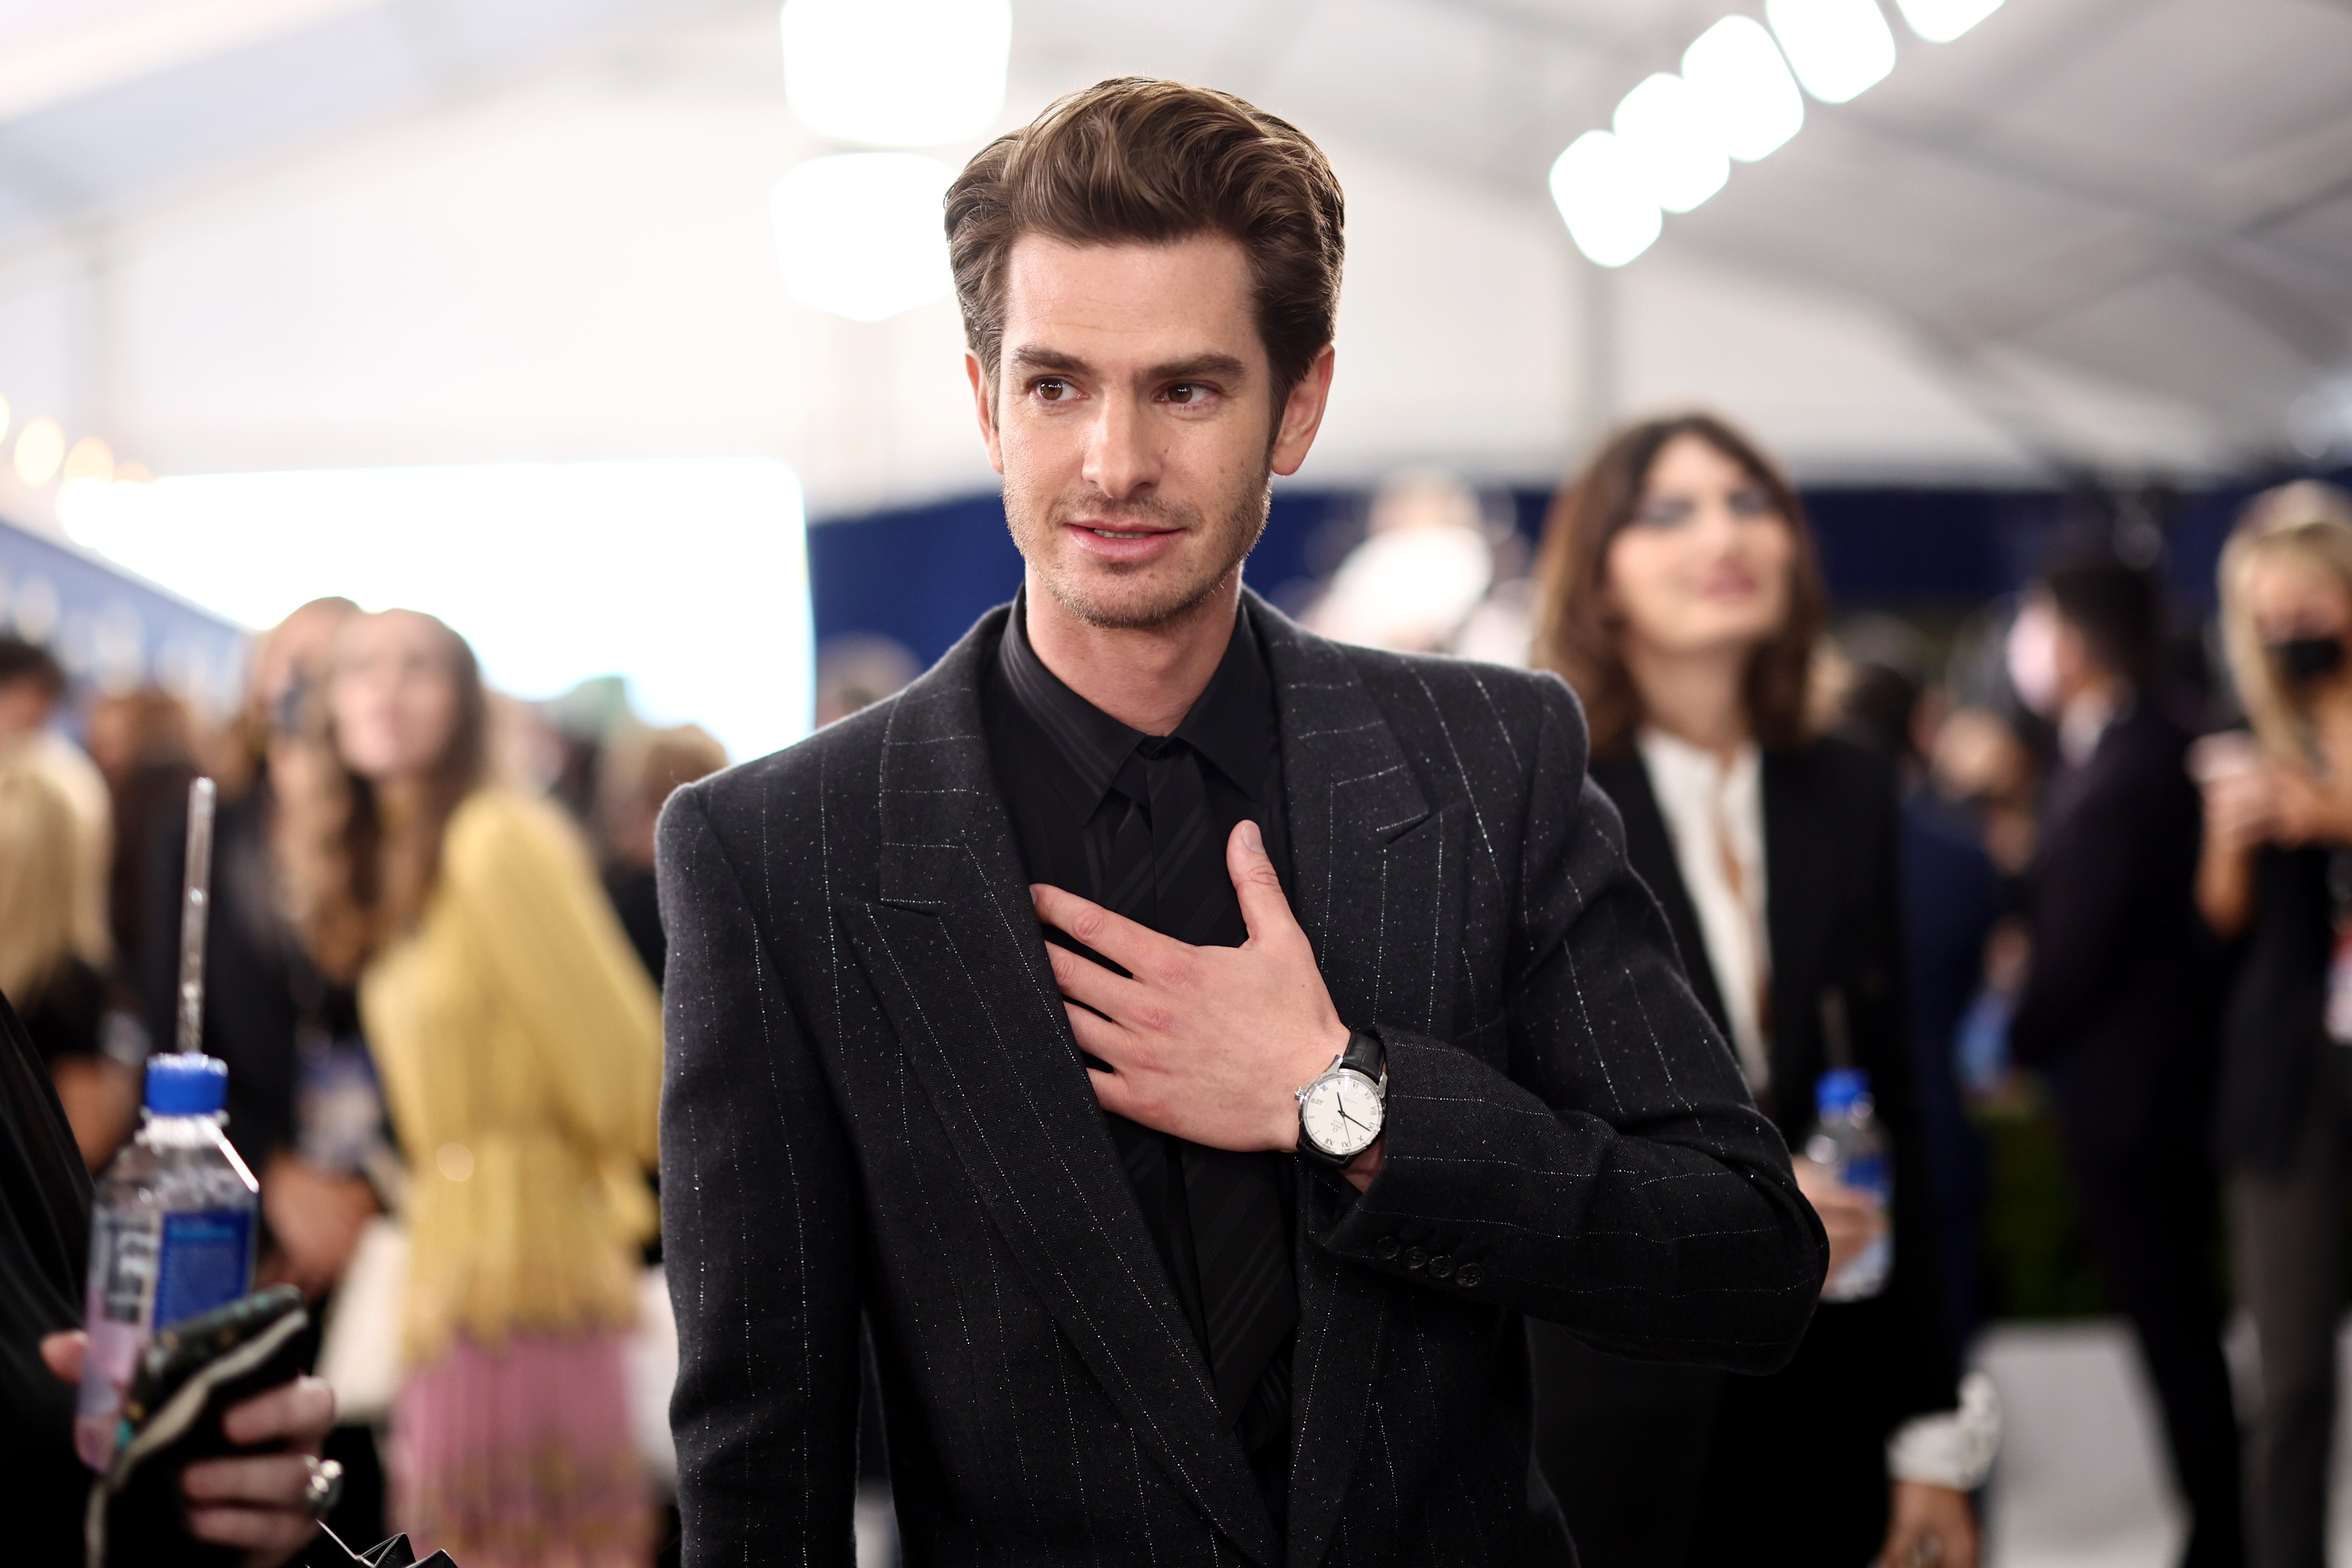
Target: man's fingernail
[(1249, 839)]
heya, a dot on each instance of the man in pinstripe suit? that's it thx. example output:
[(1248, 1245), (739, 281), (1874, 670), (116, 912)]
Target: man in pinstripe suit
[(1430, 1054)]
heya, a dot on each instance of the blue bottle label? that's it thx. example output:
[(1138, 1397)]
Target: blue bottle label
[(206, 1261), (1869, 1172)]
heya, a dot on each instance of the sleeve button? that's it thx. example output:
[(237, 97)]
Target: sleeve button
[(1469, 1275), (1414, 1258), (1441, 1266), (1386, 1247)]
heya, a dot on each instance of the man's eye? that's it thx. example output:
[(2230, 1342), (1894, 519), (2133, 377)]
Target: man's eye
[(1188, 392), (1052, 390)]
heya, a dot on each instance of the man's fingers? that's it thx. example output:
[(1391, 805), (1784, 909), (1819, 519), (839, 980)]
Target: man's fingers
[(1081, 979), (253, 1529), (1098, 1038), (1111, 1092), (64, 1353), (303, 1410), (268, 1480), (1265, 910), (1117, 938)]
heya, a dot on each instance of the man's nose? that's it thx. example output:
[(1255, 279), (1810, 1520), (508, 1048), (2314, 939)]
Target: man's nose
[(1123, 457)]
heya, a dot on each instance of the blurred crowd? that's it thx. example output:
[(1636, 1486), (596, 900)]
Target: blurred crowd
[(2058, 861), (2063, 875), (433, 967)]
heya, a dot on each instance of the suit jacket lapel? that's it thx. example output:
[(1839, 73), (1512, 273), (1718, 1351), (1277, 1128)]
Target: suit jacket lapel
[(1369, 865), (1796, 917), (953, 949), (1651, 851)]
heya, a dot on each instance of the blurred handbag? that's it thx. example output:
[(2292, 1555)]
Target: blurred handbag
[(359, 1357)]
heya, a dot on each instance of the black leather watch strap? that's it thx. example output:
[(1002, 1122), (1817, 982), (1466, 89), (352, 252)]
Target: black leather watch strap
[(1366, 1054)]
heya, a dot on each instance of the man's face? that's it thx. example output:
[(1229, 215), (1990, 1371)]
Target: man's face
[(1134, 421)]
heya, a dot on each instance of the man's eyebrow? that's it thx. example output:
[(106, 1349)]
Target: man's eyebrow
[(1033, 357), (1202, 366), (1222, 367)]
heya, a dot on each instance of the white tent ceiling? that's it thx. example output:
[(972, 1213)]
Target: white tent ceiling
[(2112, 234)]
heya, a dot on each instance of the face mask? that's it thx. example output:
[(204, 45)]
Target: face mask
[(2304, 660), (2033, 657)]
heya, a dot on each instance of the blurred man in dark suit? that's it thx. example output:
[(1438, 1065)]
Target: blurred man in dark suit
[(2119, 1005)]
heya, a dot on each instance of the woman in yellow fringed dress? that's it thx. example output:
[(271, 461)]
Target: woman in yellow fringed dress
[(519, 1045)]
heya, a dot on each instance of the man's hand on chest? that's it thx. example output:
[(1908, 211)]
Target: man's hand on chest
[(1210, 1044)]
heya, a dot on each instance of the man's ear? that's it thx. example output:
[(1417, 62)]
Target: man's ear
[(1302, 415), (983, 404)]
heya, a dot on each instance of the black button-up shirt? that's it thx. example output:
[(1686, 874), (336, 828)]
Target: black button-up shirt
[(1058, 761)]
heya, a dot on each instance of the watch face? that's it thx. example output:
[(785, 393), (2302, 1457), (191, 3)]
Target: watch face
[(1342, 1114)]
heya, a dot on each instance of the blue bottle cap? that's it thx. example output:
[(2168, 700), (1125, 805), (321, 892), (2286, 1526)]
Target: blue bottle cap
[(186, 1084), (1839, 1090)]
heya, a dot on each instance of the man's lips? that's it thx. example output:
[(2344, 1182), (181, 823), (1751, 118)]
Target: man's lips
[(1121, 529), (1121, 541)]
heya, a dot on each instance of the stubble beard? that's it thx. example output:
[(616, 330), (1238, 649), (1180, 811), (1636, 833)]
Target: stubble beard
[(1156, 595)]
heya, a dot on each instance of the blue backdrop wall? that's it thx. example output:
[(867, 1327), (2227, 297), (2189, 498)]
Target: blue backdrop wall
[(923, 574)]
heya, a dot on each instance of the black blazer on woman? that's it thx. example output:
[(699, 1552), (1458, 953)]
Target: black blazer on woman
[(874, 1106), (1789, 1467)]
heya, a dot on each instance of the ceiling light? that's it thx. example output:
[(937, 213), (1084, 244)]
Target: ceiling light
[(1744, 87), (90, 458), (1601, 193), (897, 73), (40, 450), (1941, 21), (861, 234), (1839, 48), (1663, 132)]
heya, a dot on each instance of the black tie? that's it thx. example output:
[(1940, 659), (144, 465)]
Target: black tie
[(1168, 871)]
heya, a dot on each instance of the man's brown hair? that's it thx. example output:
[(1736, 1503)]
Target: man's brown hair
[(1579, 637), (1137, 160)]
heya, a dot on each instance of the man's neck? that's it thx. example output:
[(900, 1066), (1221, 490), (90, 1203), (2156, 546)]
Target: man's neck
[(1697, 697), (1147, 678)]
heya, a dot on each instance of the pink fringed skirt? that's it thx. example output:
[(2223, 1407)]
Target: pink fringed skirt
[(522, 1456)]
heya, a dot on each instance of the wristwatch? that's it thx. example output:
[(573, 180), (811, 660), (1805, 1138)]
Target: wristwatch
[(1342, 1112)]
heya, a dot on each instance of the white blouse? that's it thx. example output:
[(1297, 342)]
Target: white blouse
[(1713, 811)]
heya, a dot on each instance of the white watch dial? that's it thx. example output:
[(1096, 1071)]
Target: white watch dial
[(1342, 1113)]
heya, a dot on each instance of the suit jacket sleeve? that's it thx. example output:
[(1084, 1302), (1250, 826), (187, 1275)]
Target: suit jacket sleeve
[(760, 1225), (1615, 1177)]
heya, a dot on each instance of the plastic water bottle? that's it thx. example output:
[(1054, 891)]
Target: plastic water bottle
[(170, 1235), (1848, 1141)]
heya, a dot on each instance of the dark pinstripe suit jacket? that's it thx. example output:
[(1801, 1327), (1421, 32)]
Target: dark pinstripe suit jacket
[(873, 1103)]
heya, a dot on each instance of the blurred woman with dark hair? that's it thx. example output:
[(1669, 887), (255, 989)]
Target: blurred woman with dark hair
[(520, 1046), (1680, 595)]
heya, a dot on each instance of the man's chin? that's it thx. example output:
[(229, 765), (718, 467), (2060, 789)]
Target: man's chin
[(1112, 598)]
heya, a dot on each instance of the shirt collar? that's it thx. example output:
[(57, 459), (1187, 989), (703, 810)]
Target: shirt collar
[(2085, 721), (1231, 724)]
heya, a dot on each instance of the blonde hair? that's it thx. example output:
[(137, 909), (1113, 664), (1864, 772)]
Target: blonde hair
[(40, 871), (2306, 523)]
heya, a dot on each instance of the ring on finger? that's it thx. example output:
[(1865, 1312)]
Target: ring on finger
[(324, 1490)]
